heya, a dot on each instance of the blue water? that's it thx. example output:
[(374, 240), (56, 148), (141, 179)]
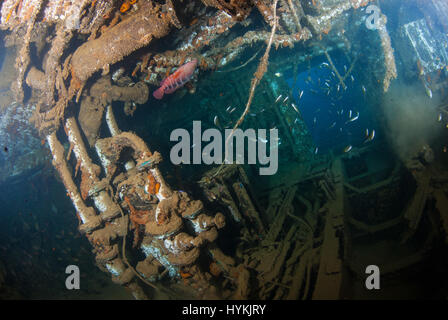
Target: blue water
[(326, 110)]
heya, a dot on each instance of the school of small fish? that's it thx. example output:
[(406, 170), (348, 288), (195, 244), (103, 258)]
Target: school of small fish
[(345, 115)]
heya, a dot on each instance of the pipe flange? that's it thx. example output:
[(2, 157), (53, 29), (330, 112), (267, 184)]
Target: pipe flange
[(184, 258), (194, 208), (219, 220), (181, 242), (149, 162), (149, 269), (92, 223), (106, 255), (204, 222), (108, 208), (162, 230), (209, 235), (125, 277), (98, 187)]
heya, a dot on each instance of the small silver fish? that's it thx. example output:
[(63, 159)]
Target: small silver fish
[(354, 118), (278, 74), (339, 87), (286, 99), (364, 90), (439, 118), (367, 132), (428, 92), (350, 114), (325, 64), (345, 68), (316, 150), (216, 122), (301, 94), (353, 78), (228, 108), (332, 125), (295, 108), (278, 98), (348, 148), (232, 110), (371, 136)]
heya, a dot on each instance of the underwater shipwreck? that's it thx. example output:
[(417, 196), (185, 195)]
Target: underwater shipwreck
[(90, 92)]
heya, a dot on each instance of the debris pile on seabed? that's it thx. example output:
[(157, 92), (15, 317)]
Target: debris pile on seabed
[(79, 76)]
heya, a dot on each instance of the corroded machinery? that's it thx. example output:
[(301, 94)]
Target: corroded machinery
[(168, 226)]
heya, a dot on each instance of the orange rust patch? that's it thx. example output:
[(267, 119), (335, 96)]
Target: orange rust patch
[(136, 216), (85, 184), (185, 275), (193, 22), (137, 67), (168, 71), (12, 10), (125, 7), (153, 186)]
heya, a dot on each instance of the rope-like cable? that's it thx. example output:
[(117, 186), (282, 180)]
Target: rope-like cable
[(258, 75)]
